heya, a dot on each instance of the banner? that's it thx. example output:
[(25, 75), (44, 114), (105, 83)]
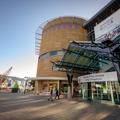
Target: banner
[(108, 28), (98, 77)]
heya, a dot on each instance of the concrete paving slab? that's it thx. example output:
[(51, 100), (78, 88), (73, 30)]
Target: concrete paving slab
[(31, 107)]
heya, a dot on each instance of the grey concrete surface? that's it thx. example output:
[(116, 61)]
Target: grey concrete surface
[(15, 106)]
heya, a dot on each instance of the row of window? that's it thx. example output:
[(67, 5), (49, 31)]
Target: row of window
[(50, 54), (63, 26)]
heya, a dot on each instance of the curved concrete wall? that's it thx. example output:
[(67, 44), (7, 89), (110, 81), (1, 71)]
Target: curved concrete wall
[(57, 35)]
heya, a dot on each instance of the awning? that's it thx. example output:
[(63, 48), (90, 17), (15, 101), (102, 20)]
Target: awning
[(83, 58)]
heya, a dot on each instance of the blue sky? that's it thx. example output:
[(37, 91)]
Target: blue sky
[(19, 20)]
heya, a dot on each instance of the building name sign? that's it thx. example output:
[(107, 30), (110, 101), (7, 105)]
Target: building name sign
[(108, 28), (98, 77)]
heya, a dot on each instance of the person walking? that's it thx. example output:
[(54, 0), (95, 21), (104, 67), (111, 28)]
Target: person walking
[(54, 93), (57, 94), (51, 94)]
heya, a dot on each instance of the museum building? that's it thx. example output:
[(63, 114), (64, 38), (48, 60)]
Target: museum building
[(89, 50)]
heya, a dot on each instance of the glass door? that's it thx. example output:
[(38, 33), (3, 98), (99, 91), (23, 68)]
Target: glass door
[(85, 91)]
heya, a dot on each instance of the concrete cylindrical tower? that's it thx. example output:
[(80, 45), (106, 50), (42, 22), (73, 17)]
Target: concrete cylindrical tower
[(56, 35)]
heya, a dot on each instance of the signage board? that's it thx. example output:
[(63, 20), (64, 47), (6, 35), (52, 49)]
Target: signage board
[(98, 77), (108, 28)]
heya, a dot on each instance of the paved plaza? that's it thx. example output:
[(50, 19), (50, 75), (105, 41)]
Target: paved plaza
[(30, 107)]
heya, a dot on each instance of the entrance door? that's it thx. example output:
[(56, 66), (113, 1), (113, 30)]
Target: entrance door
[(89, 91), (86, 91), (101, 91), (107, 91)]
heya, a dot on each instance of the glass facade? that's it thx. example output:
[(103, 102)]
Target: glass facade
[(101, 91)]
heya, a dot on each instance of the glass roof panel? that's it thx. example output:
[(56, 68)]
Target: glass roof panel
[(82, 60), (83, 57), (70, 57)]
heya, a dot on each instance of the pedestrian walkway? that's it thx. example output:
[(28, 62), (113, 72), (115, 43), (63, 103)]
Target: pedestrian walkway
[(31, 107)]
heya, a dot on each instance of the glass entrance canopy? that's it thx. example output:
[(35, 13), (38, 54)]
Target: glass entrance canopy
[(84, 58)]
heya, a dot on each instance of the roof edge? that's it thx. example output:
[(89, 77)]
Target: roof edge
[(99, 12)]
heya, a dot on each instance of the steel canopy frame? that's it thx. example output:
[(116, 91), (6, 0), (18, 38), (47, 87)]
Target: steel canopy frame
[(83, 57)]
